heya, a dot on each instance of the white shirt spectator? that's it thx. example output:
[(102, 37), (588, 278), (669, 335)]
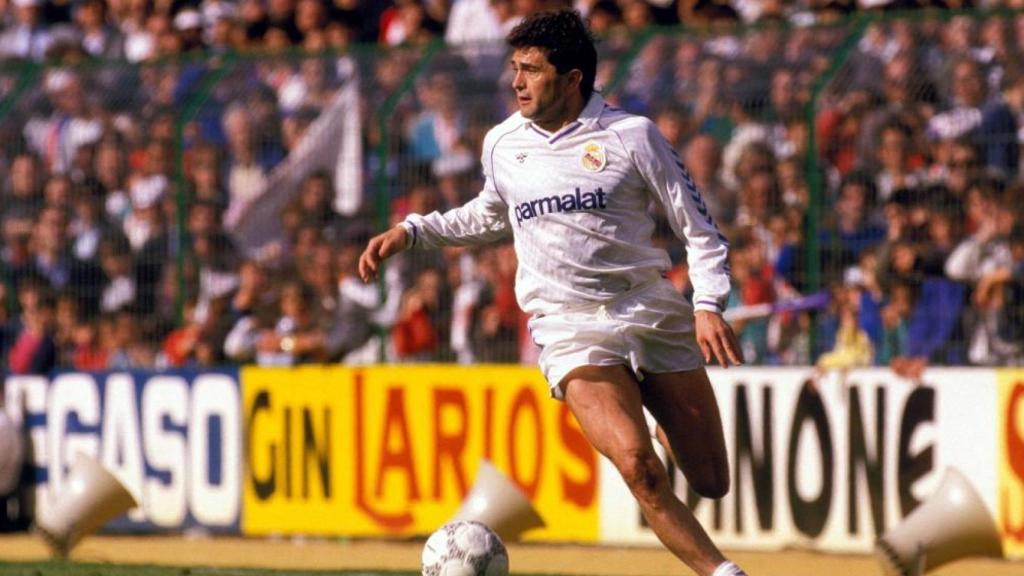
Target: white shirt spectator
[(474, 21)]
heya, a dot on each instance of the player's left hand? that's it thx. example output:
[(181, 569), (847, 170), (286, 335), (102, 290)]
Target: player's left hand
[(716, 339)]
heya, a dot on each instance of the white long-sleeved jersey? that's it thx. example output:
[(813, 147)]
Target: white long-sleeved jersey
[(576, 203)]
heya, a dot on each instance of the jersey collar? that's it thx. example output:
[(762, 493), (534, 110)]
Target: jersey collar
[(588, 117)]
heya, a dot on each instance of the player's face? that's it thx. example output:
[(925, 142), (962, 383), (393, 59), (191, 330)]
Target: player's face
[(542, 93)]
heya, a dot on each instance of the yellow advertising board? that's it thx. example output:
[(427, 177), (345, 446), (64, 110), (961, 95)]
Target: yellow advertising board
[(395, 450), (1011, 462)]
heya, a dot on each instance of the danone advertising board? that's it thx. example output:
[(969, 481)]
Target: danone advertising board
[(830, 461)]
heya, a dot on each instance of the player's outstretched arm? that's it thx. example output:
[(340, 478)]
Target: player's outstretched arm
[(380, 248), (716, 339)]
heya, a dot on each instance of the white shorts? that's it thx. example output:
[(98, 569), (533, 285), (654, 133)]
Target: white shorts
[(648, 329)]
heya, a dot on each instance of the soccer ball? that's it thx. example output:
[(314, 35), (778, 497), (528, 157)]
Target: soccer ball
[(464, 548)]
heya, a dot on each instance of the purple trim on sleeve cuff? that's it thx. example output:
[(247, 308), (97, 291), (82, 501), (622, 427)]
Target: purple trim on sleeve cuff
[(708, 303), (415, 234)]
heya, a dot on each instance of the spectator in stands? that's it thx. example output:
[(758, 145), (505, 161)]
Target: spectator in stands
[(417, 333), (57, 193), (636, 15), (16, 256), (703, 156), (29, 37), (310, 18), (249, 307), (700, 12), (753, 283), (221, 30), (145, 222), (67, 318), (309, 88), (126, 343), (119, 287), (649, 77), (673, 124), (110, 167), (87, 224), (315, 201), (495, 319), (51, 259), (852, 347), (897, 165), (96, 36), (895, 316), (22, 195), (438, 129), (978, 256), (473, 21), (317, 272), (1002, 290), (247, 166), (408, 22), (956, 162), (205, 178), (253, 19), (216, 261), (88, 354), (33, 350), (758, 193), (56, 137), (355, 316), (140, 29), (852, 230), (989, 121), (839, 125), (297, 336)]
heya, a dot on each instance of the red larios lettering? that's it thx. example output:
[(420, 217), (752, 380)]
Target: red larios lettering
[(581, 492), (451, 439), (389, 521), (399, 457), (1015, 458), (525, 401), (489, 423)]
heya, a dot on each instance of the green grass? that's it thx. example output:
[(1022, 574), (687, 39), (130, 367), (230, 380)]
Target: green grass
[(58, 568)]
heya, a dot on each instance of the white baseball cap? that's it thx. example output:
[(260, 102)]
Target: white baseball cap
[(188, 20), (147, 192)]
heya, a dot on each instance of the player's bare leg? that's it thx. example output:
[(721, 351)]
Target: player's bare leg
[(690, 426), (607, 402)]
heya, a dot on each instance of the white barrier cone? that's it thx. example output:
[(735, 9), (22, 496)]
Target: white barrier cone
[(499, 503), (92, 496), (952, 523)]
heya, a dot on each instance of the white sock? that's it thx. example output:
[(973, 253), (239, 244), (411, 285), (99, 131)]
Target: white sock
[(727, 568)]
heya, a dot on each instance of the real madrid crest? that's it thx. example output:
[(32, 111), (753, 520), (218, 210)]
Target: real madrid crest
[(594, 159)]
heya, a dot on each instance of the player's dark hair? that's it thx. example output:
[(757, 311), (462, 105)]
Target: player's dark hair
[(564, 36)]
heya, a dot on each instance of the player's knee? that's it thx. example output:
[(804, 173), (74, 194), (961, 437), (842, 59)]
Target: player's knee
[(712, 482), (643, 473)]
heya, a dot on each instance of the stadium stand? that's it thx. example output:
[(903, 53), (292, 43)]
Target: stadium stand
[(189, 183)]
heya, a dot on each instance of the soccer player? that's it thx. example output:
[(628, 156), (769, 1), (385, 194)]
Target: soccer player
[(569, 178)]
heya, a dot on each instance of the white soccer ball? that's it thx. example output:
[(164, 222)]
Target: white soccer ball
[(464, 549)]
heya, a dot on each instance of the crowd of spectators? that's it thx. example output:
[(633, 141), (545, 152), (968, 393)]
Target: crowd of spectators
[(118, 252)]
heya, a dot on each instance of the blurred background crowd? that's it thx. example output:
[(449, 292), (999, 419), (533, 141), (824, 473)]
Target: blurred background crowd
[(165, 200)]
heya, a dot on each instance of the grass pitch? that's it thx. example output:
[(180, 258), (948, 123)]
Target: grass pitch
[(58, 568)]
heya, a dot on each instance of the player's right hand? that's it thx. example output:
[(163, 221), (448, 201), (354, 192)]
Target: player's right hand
[(380, 248), (717, 339)]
